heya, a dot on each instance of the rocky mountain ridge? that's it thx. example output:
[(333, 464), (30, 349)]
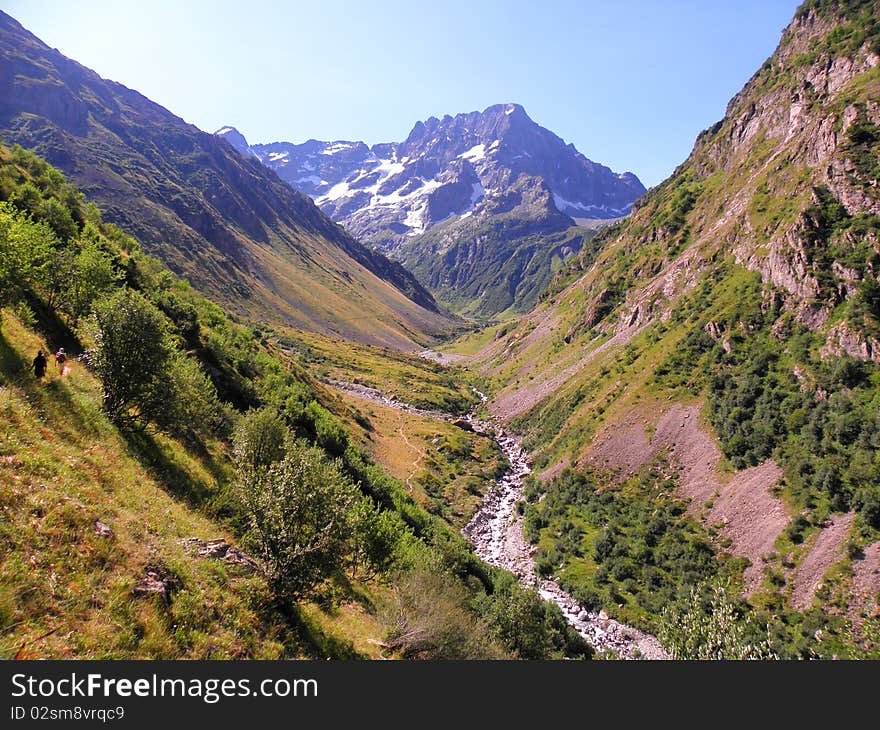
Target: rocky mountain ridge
[(480, 163), (767, 185)]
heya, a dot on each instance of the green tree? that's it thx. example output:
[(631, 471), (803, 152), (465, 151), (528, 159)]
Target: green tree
[(260, 440), (328, 432), (25, 250), (298, 512), (58, 217), (92, 275), (195, 408), (519, 620), (133, 357), (376, 534), (713, 630), (146, 379)]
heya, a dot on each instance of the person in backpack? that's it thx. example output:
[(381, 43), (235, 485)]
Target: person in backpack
[(60, 359), (40, 364)]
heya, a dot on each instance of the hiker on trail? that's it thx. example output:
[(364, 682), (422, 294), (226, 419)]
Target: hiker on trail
[(60, 359), (40, 364)]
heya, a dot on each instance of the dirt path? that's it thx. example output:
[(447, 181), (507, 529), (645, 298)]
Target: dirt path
[(496, 534), (415, 465)]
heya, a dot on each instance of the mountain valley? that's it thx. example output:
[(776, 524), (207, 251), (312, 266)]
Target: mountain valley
[(466, 396), (222, 221)]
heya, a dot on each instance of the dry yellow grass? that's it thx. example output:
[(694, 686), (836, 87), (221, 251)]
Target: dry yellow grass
[(446, 470)]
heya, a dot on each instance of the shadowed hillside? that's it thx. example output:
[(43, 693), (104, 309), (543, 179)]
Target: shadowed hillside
[(221, 220)]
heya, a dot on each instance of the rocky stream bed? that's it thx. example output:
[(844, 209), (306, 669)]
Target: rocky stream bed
[(496, 532)]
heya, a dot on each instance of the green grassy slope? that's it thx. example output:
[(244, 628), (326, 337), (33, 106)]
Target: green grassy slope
[(64, 468), (486, 268), (73, 588)]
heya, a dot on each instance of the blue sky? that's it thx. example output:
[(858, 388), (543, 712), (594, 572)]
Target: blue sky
[(631, 83)]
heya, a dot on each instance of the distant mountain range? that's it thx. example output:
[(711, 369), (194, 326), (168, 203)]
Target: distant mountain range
[(455, 166), (223, 221), (455, 184)]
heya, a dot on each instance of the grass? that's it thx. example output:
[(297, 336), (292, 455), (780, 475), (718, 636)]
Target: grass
[(318, 287), (473, 342), (63, 467), (446, 469), (352, 613), (409, 378), (491, 269)]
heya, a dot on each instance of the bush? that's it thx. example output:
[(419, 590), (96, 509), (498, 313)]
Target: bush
[(195, 409), (795, 529), (376, 536), (329, 433), (132, 355), (635, 542), (260, 440), (144, 377), (59, 219), (710, 629), (90, 276), (426, 620), (298, 513), (25, 250), (533, 628), (868, 503)]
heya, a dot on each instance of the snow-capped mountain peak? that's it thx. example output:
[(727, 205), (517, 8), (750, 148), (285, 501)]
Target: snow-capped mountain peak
[(476, 164), (236, 139)]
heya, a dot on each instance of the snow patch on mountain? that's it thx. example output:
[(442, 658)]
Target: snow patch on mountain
[(599, 211), (477, 193), (477, 152), (313, 179), (336, 147), (339, 190)]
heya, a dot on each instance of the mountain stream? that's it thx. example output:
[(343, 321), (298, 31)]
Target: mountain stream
[(496, 533)]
